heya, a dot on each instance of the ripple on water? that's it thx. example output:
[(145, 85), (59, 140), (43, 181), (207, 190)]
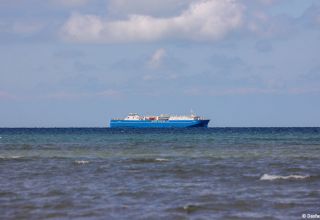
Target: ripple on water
[(215, 207), (102, 174)]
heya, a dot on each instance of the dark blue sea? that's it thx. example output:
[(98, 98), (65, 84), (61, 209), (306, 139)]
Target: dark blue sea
[(215, 173)]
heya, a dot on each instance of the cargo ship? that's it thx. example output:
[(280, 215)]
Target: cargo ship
[(134, 120)]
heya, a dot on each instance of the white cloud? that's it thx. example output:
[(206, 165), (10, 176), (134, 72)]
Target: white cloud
[(157, 57), (203, 20)]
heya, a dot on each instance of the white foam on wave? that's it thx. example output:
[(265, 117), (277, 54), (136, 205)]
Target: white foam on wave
[(161, 159), (82, 161), (278, 177), (10, 157)]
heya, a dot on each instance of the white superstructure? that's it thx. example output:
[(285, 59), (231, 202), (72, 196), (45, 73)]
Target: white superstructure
[(133, 116), (162, 117)]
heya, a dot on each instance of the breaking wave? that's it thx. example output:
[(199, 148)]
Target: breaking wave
[(10, 157), (82, 161), (161, 159), (278, 177)]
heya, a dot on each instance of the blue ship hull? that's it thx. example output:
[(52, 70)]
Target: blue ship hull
[(158, 124)]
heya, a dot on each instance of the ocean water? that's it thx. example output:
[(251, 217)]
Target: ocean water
[(215, 173)]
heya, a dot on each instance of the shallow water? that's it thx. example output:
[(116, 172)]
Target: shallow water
[(101, 173)]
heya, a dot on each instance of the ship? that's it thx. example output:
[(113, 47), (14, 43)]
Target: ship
[(134, 120)]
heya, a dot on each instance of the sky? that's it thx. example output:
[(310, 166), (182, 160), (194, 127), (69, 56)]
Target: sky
[(78, 63)]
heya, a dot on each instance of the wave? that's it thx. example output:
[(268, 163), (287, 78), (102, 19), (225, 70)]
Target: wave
[(10, 157), (82, 161), (192, 208), (147, 160), (161, 159), (278, 177)]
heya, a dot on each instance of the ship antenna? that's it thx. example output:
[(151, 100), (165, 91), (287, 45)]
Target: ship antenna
[(192, 112)]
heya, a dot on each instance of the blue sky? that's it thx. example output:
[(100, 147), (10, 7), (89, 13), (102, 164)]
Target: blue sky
[(81, 62)]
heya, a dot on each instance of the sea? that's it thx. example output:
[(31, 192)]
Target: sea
[(196, 173)]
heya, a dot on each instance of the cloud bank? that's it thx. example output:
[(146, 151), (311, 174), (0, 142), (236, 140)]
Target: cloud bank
[(205, 20)]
